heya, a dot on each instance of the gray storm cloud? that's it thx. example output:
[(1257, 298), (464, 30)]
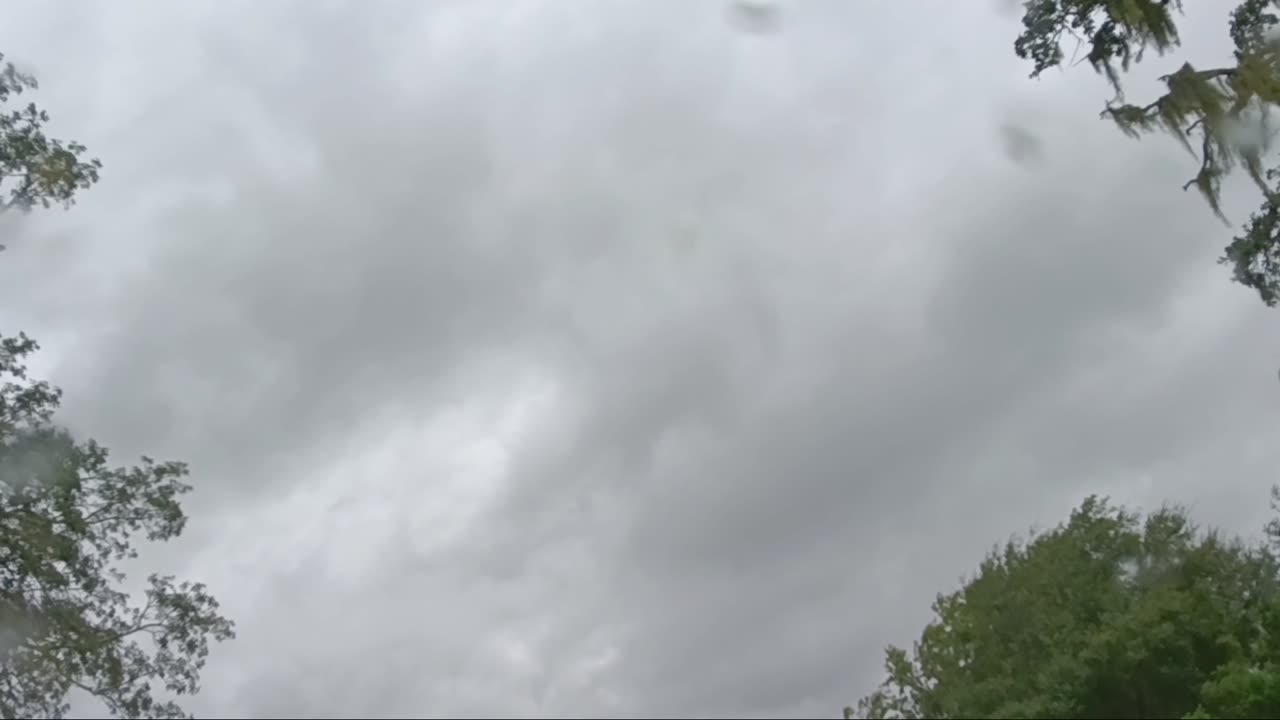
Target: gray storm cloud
[(538, 360)]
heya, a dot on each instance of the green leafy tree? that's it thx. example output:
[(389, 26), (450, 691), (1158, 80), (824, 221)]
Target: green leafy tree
[(36, 170), (1108, 615), (1222, 115), (67, 519)]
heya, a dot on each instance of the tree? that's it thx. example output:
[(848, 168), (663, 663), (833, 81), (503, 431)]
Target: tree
[(1221, 115), (35, 169), (68, 519), (1107, 615)]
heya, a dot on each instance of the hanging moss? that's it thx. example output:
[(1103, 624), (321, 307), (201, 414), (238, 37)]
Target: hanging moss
[(1201, 109)]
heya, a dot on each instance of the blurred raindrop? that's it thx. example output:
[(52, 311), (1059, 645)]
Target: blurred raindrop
[(758, 17), (1020, 145)]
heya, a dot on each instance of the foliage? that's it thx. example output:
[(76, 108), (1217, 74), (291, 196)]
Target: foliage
[(1221, 115), (1108, 615), (34, 168), (66, 520)]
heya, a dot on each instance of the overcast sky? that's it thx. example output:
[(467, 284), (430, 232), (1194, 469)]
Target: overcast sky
[(572, 358)]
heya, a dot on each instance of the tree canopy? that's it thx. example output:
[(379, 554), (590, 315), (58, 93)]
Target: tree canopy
[(69, 519), (36, 170), (1222, 115), (1108, 615)]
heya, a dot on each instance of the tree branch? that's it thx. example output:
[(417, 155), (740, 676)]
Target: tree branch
[(1206, 152), (1148, 109)]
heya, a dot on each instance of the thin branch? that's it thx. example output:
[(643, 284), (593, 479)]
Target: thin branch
[(1205, 163), (1205, 74)]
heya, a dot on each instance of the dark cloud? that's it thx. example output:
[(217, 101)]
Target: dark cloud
[(540, 362)]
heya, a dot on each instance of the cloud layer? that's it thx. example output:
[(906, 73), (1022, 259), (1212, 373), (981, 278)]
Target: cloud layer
[(537, 360)]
